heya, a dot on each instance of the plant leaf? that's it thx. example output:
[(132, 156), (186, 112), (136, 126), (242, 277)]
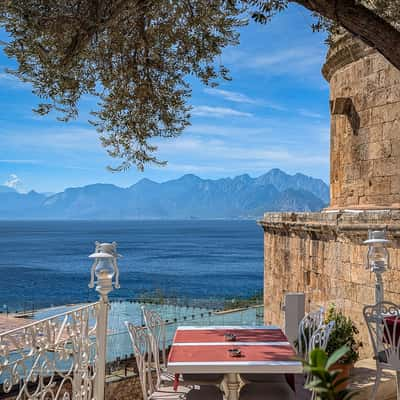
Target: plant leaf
[(318, 358), (336, 356)]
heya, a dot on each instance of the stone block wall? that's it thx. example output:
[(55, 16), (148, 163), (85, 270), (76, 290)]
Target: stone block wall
[(365, 140), (322, 255)]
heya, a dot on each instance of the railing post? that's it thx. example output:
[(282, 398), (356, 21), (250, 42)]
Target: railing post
[(294, 309), (104, 268), (101, 339)]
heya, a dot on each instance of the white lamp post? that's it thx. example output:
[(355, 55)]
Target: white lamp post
[(104, 268), (377, 259)]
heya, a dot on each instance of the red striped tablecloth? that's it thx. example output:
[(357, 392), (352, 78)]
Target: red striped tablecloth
[(205, 350)]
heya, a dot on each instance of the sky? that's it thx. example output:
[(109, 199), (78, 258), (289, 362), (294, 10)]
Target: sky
[(273, 114)]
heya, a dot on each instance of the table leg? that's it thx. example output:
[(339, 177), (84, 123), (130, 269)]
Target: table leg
[(233, 385)]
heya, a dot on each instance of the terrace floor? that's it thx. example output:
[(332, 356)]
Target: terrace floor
[(363, 379), (9, 322)]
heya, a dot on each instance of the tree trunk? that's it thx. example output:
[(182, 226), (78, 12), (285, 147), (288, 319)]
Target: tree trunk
[(361, 22)]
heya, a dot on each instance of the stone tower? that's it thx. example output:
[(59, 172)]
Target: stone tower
[(322, 254), (365, 127)]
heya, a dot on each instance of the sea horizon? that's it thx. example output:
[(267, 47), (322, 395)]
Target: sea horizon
[(46, 262)]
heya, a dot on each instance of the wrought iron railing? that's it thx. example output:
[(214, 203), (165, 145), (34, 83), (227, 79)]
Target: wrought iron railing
[(64, 356), (54, 358)]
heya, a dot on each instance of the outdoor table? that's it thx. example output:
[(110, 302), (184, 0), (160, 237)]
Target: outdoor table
[(204, 350), (391, 333)]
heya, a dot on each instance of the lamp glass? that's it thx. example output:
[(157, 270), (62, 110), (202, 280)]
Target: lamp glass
[(378, 257), (104, 269)]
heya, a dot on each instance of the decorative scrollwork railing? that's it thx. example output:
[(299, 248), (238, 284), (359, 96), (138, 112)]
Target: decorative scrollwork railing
[(54, 358)]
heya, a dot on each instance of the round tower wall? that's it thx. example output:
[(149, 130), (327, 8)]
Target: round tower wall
[(365, 127)]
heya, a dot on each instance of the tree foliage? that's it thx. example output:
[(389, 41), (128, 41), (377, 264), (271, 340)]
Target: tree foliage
[(136, 56)]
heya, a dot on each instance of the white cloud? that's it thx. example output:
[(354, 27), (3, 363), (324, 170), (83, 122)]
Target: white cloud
[(12, 81), (220, 112), (231, 96), (288, 61), (228, 130), (212, 150), (296, 59), (237, 97), (19, 161), (61, 138), (13, 181), (310, 114)]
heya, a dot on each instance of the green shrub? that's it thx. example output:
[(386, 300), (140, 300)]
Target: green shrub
[(343, 334), (324, 382)]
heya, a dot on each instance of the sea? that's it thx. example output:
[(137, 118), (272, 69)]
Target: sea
[(45, 263)]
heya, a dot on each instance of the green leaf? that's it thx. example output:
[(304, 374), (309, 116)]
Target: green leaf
[(323, 381), (318, 358), (336, 356)]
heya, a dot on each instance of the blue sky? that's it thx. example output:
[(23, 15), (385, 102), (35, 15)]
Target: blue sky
[(274, 113)]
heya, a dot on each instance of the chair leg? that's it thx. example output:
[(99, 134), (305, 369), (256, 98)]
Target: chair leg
[(377, 381), (398, 384)]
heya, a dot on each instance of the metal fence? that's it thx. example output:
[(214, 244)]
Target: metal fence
[(53, 357), (64, 353)]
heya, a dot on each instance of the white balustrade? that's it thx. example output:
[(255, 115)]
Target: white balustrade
[(54, 358), (63, 356)]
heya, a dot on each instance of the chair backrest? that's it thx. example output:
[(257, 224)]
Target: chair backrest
[(156, 329), (142, 351), (307, 327), (320, 337), (383, 322)]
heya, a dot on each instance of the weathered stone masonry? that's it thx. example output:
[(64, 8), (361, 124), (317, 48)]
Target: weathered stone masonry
[(322, 254), (365, 139)]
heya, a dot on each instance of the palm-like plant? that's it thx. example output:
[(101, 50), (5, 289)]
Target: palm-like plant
[(324, 382)]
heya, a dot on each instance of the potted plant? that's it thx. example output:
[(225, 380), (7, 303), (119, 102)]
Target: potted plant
[(343, 333), (325, 382)]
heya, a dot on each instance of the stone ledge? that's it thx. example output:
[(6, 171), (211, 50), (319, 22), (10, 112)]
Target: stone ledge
[(345, 50), (353, 225)]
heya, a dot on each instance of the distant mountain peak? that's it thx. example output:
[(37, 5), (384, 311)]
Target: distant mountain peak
[(145, 181), (187, 197), (276, 171), (243, 178), (143, 184), (189, 177), (283, 181)]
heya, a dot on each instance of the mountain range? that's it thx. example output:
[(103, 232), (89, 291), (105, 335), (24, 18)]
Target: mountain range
[(185, 198)]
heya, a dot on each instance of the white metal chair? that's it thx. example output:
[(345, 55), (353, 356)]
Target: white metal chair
[(319, 339), (310, 323), (157, 336), (383, 321), (157, 333), (275, 386), (151, 390), (143, 355)]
